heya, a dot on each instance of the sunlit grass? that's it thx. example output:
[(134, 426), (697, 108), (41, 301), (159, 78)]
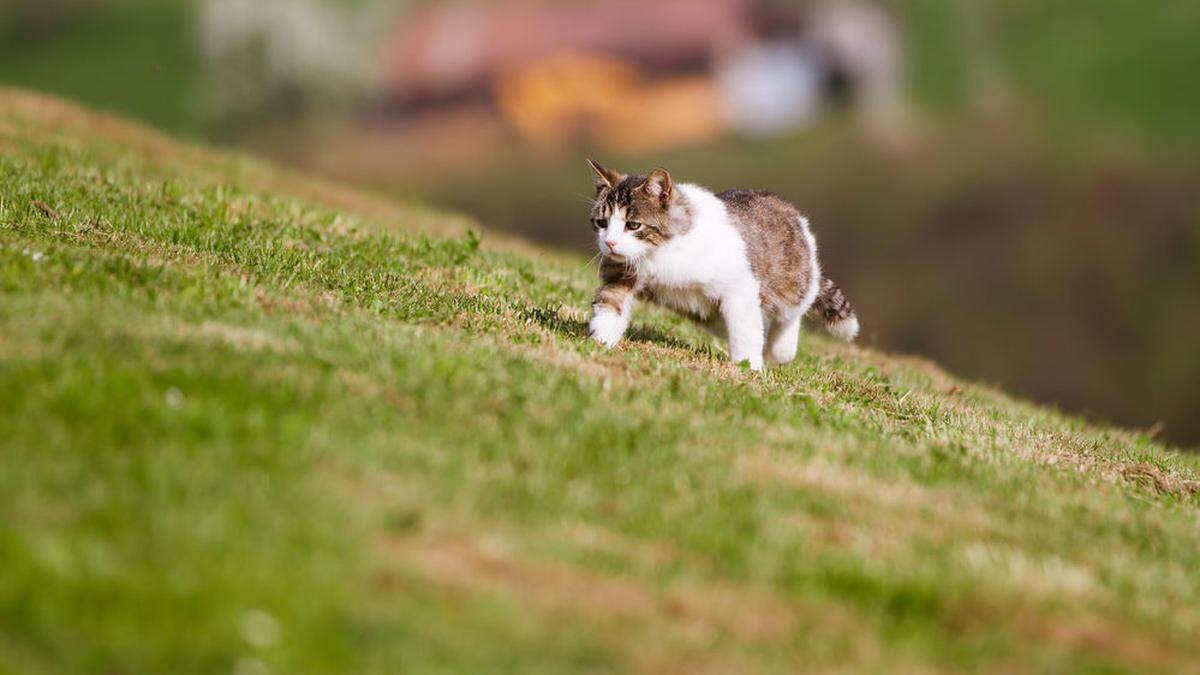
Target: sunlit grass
[(253, 422)]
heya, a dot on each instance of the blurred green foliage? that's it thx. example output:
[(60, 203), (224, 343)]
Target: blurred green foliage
[(1087, 68), (135, 57), (1109, 65)]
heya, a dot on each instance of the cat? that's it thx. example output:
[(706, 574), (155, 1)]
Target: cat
[(742, 264)]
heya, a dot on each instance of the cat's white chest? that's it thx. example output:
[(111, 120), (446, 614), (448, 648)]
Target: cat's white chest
[(692, 272)]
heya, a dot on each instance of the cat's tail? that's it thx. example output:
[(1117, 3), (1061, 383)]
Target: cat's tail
[(834, 310)]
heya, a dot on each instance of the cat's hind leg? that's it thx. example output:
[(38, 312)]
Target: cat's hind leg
[(782, 340)]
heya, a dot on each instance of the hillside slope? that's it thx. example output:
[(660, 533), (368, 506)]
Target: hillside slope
[(255, 423)]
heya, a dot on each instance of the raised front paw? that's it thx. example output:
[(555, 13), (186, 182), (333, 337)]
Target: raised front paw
[(607, 328)]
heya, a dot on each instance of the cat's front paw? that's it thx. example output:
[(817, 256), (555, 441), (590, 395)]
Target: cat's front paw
[(607, 328)]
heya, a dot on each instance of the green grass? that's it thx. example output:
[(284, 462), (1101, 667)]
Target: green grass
[(255, 423)]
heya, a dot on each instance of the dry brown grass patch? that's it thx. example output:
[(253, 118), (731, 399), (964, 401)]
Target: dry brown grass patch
[(1165, 482), (489, 564)]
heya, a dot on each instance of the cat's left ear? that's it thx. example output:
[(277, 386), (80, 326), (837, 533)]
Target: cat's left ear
[(659, 185), (605, 178)]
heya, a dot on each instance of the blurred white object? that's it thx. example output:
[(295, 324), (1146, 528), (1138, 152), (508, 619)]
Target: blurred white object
[(306, 51), (767, 87), (860, 42)]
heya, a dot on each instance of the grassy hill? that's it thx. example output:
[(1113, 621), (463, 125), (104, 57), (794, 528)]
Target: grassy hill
[(254, 423)]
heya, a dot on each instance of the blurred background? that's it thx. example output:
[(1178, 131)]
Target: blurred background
[(1011, 187)]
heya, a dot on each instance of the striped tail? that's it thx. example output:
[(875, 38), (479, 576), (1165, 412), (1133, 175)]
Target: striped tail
[(832, 308)]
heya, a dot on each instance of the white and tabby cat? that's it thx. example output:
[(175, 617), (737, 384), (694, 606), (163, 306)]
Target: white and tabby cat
[(742, 263)]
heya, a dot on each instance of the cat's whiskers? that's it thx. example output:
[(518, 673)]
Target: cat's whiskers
[(589, 263)]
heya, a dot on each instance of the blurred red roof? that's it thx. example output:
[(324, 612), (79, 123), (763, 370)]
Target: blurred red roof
[(439, 50)]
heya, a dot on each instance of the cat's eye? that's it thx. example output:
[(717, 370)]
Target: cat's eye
[(599, 223), (633, 227)]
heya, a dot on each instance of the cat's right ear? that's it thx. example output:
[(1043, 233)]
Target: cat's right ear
[(605, 178)]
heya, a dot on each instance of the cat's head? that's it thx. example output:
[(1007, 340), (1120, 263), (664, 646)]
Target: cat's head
[(633, 215)]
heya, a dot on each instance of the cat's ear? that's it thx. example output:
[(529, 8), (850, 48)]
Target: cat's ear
[(605, 178), (659, 185)]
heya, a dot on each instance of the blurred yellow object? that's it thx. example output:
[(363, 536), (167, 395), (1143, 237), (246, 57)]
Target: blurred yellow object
[(570, 98), (674, 112)]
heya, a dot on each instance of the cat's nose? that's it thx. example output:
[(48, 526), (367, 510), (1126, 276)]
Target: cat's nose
[(612, 245)]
